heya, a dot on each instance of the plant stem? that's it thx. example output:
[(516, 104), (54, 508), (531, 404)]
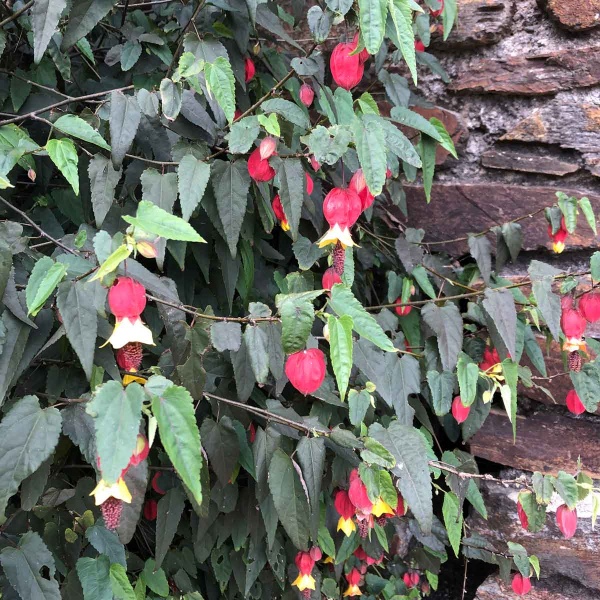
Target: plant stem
[(17, 14)]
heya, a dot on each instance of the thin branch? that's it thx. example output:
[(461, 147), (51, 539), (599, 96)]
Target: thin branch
[(17, 14), (139, 4), (484, 476), (182, 34), (30, 82)]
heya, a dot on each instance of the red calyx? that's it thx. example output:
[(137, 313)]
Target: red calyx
[(342, 207), (346, 69), (402, 507), (343, 504), (566, 519), (150, 509), (359, 185), (419, 46), (258, 168), (459, 411), (353, 577), (490, 358), (306, 370), (521, 585), (437, 13), (249, 69), (315, 553), (574, 403), (127, 298), (401, 311), (278, 208), (357, 493), (142, 449), (310, 184), (304, 562), (522, 516), (573, 323), (156, 486), (330, 278), (307, 94), (589, 305), (411, 580), (129, 357)]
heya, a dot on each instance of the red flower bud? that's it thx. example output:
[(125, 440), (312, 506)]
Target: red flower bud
[(353, 577), (237, 114), (330, 278), (127, 298), (268, 147), (589, 305), (342, 207), (566, 519), (307, 94), (573, 323), (419, 46), (346, 69), (402, 507), (437, 13), (521, 585), (306, 370), (558, 238), (357, 493), (252, 430), (310, 184), (156, 486), (490, 359), (315, 553), (150, 510), (411, 580), (522, 516), (260, 169), (249, 69), (574, 403), (401, 311), (304, 562), (359, 185), (459, 411)]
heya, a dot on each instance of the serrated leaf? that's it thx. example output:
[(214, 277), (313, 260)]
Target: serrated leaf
[(481, 250), (117, 412), (257, 344), (340, 345), (446, 142), (174, 411), (153, 219), (412, 119), (45, 276), (500, 306), (319, 23), (84, 15), (311, 456), (358, 404), (76, 127), (226, 336), (427, 150), (76, 302), (94, 574), (170, 97), (328, 144), (369, 139), (231, 182), (106, 542), (442, 391), (119, 583), (124, 121), (401, 14), (297, 315), (28, 436), (343, 302), (289, 498), (447, 324), (588, 212), (64, 155), (45, 15), (468, 374), (192, 176), (372, 16), (288, 110), (221, 83), (130, 54), (292, 185), (536, 513), (513, 236), (155, 578), (170, 509), (103, 181), (453, 520), (566, 487), (548, 304), (242, 135)]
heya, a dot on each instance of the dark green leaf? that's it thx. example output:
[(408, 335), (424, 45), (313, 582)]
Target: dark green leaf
[(453, 519), (82, 18), (292, 186), (442, 390), (311, 456), (45, 15), (288, 110), (481, 251), (446, 323), (340, 344), (155, 578), (226, 336), (358, 404), (428, 149), (319, 23), (586, 383), (369, 139), (221, 83), (297, 315), (193, 175), (64, 155), (500, 306), (513, 236), (125, 118), (103, 181), (595, 266), (587, 210), (221, 445), (106, 542), (170, 509), (257, 344), (373, 14), (78, 128), (94, 574)]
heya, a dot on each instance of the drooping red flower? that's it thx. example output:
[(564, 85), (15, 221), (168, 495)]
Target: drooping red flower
[(411, 580), (359, 185), (402, 507), (558, 238), (491, 358), (341, 209), (362, 555), (314, 163), (278, 210), (305, 564), (249, 69), (347, 69), (129, 357), (357, 493), (315, 553), (574, 403), (522, 516), (403, 310), (260, 169), (521, 585), (346, 510), (306, 370), (437, 13), (566, 519), (589, 305), (156, 485), (353, 579), (330, 278), (150, 509), (573, 323), (310, 184), (459, 411), (142, 449), (307, 94), (267, 147), (419, 46)]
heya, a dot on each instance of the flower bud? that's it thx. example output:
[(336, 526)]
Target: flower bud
[(249, 69), (314, 163), (306, 370), (326, 331), (574, 403), (521, 585), (330, 278), (315, 553), (401, 311), (459, 411), (411, 580), (419, 46), (310, 184), (566, 519), (573, 323), (307, 94), (346, 68), (522, 516), (258, 168), (146, 249), (267, 148), (31, 174), (589, 305), (150, 510)]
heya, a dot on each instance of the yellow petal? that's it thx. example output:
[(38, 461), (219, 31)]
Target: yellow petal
[(353, 590), (102, 492), (347, 526), (127, 331), (558, 247), (304, 582), (334, 235), (127, 379), (285, 225), (381, 508)]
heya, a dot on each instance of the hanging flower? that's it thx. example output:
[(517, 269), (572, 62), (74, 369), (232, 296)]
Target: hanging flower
[(330, 278), (358, 495), (249, 69), (267, 147), (129, 357), (346, 510), (306, 370), (491, 361), (341, 209), (150, 510), (574, 403), (573, 324), (310, 184), (437, 13), (358, 183), (363, 556), (411, 580), (127, 301), (403, 309), (522, 516), (459, 411), (589, 305), (278, 210), (259, 168), (307, 94), (566, 519), (419, 46), (353, 579), (521, 585), (558, 238), (347, 69), (305, 564)]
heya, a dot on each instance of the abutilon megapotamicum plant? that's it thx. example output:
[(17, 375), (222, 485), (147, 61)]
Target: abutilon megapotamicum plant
[(222, 373)]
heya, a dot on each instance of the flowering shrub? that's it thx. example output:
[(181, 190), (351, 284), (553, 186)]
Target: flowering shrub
[(194, 215)]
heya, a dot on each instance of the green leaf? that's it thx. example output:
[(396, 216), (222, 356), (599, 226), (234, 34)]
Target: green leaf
[(231, 182), (159, 188), (130, 54), (289, 498), (76, 302), (170, 97), (442, 391), (106, 542), (568, 207), (513, 236), (45, 276), (77, 127), (288, 110), (297, 315), (595, 266), (292, 186), (112, 262), (370, 144), (257, 343), (453, 520), (103, 181), (124, 121), (536, 513), (119, 583), (221, 83), (193, 175), (64, 155), (226, 336), (319, 23), (422, 279), (416, 121), (500, 306), (343, 302), (372, 16), (242, 134), (586, 208), (174, 411), (520, 557), (449, 16), (155, 578), (468, 374), (340, 343), (481, 250), (446, 142), (117, 412), (548, 302), (311, 456), (401, 14), (94, 574), (153, 219), (510, 370), (15, 335), (428, 148), (22, 567), (447, 324), (45, 15), (358, 404), (28, 436), (328, 144), (566, 487), (170, 509), (587, 384), (84, 15), (374, 453), (407, 446)]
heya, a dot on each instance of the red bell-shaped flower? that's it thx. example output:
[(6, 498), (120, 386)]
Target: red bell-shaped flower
[(347, 69), (437, 13), (558, 238), (459, 411), (573, 323), (359, 185), (566, 519), (278, 210), (403, 310), (330, 278), (259, 168), (491, 358), (307, 94), (249, 69), (310, 184), (357, 493), (411, 580), (150, 510), (522, 516), (341, 209), (306, 370), (419, 46), (521, 585), (589, 305), (353, 579), (346, 510), (305, 564), (574, 403)]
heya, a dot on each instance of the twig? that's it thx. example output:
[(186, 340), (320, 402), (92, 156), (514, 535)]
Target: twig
[(150, 3), (182, 34), (463, 475), (17, 14), (30, 82)]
